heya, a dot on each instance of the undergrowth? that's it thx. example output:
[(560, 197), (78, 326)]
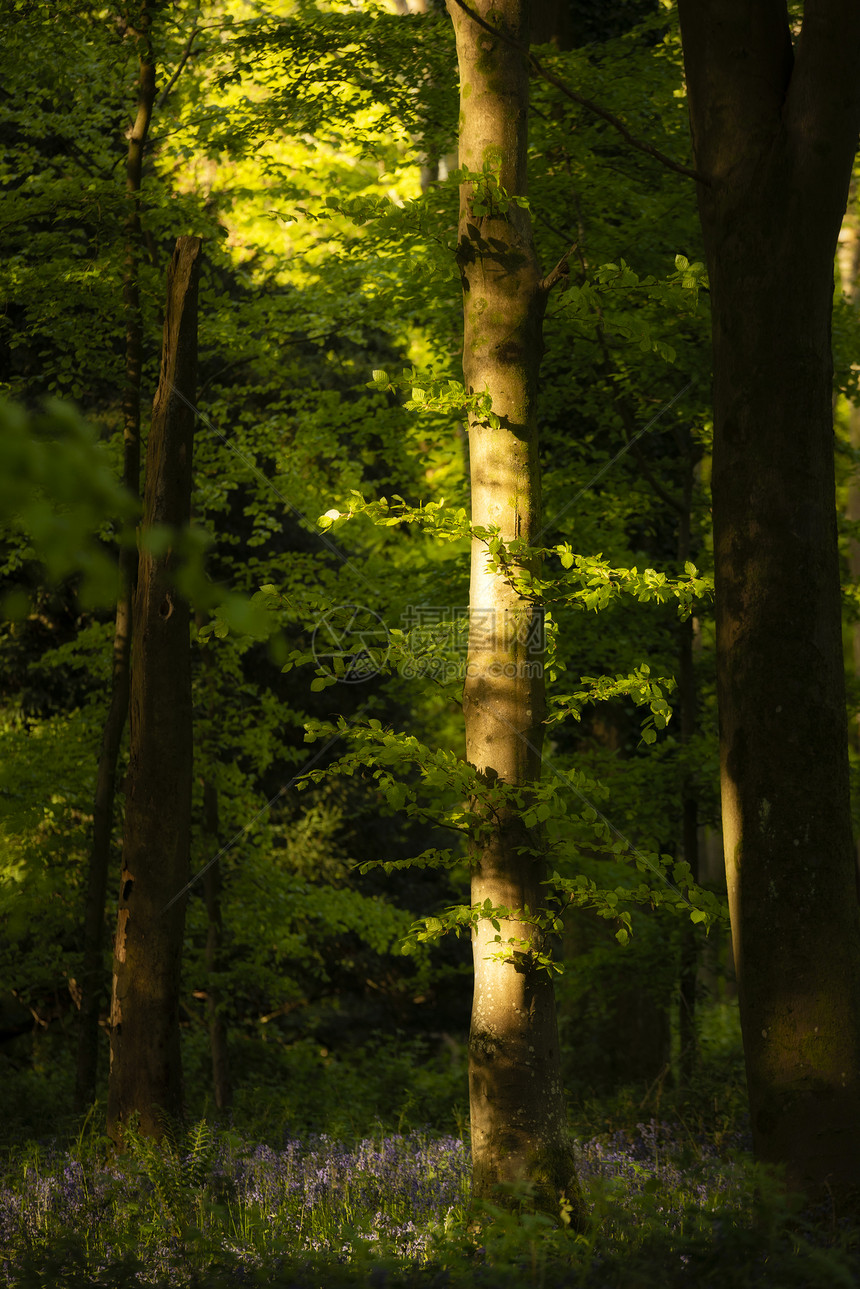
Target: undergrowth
[(204, 1207)]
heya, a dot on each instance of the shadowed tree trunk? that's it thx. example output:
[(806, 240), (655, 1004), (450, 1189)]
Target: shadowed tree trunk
[(145, 1070), (774, 133), (849, 273), (93, 981), (691, 937), (518, 1112), (214, 941), (218, 1047)]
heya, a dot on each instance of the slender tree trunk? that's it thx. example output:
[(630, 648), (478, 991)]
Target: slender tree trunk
[(218, 1047), (93, 980), (518, 1113), (690, 934), (215, 933), (214, 942), (774, 132), (145, 1070), (849, 272)]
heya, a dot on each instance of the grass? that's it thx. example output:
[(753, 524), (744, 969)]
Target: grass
[(208, 1208)]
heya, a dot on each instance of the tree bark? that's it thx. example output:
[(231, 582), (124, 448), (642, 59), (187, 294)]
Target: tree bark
[(219, 1051), (849, 273), (518, 1112), (687, 702), (145, 1071), (774, 132), (218, 1048), (92, 967)]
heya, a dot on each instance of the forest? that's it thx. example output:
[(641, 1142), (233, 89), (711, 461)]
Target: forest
[(430, 643)]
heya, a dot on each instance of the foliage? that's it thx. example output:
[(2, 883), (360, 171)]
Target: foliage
[(665, 1209), (57, 495), (310, 148)]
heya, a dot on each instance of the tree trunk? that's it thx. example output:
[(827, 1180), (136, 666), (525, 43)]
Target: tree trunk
[(690, 933), (774, 133), (218, 1047), (214, 939), (849, 273), (92, 968), (518, 1113), (145, 1071), (217, 1028)]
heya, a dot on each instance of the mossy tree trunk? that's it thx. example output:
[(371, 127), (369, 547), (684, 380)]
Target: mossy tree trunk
[(774, 134), (145, 1070), (518, 1113)]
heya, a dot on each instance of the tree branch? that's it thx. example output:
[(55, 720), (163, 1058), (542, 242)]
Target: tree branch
[(560, 272), (186, 54), (669, 499), (610, 118), (631, 438)]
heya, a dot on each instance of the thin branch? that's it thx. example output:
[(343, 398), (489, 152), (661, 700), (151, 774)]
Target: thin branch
[(610, 118), (631, 438), (540, 218), (651, 479), (186, 54)]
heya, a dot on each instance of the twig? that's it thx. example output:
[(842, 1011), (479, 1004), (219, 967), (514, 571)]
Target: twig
[(186, 54), (651, 479)]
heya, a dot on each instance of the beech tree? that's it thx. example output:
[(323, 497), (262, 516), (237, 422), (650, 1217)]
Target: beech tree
[(145, 1070), (518, 1113), (92, 971), (774, 125)]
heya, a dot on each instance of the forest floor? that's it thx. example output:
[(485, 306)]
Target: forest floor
[(210, 1208)]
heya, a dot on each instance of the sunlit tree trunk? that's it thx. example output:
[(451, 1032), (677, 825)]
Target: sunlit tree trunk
[(93, 980), (518, 1113), (774, 133), (145, 1070)]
